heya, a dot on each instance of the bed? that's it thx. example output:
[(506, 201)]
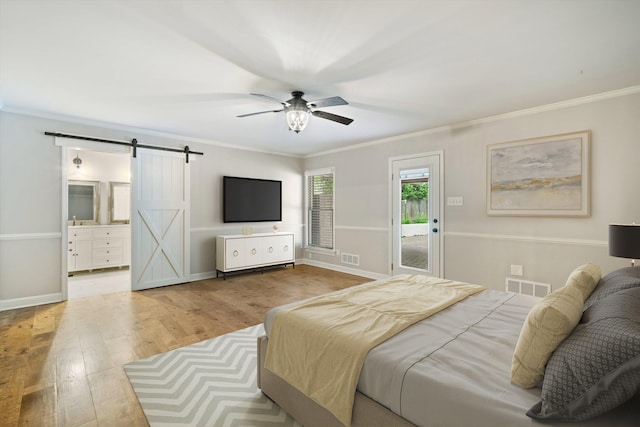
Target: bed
[(456, 367)]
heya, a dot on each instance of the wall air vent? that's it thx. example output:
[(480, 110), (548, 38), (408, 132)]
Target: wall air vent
[(527, 287), (350, 259)]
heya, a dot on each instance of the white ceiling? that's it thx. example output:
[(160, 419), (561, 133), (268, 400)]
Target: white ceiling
[(187, 67)]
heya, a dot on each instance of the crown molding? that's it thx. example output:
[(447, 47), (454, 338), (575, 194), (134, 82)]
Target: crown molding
[(132, 129), (518, 113)]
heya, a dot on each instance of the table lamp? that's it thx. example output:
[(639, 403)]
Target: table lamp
[(624, 241)]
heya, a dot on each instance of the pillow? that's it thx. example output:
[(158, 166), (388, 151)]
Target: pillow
[(597, 368), (549, 322), (585, 278), (624, 278)]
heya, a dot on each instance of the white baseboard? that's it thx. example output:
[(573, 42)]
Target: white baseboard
[(202, 276), (328, 266), (10, 304), (348, 270)]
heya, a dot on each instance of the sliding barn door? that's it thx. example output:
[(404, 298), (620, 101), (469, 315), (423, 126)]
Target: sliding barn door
[(160, 219)]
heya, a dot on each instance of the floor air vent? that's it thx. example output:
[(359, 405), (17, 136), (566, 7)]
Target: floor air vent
[(350, 259), (527, 287)]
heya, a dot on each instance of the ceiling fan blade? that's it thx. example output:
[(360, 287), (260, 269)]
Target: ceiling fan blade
[(327, 102), (334, 117), (271, 98), (259, 112)]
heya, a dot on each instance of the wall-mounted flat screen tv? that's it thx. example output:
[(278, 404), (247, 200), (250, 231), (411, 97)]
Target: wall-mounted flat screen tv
[(251, 200)]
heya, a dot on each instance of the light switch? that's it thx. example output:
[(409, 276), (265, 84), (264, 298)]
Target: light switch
[(454, 201)]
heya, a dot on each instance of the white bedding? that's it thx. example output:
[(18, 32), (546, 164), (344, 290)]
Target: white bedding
[(453, 368)]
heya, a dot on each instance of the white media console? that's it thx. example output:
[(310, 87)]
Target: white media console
[(255, 251)]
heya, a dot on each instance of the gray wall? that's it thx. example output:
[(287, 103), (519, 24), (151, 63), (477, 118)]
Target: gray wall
[(206, 196), (479, 248), (31, 186)]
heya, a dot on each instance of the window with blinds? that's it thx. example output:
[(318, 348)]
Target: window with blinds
[(320, 209)]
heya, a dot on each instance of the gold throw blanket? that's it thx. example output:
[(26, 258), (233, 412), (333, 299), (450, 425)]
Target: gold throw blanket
[(319, 346)]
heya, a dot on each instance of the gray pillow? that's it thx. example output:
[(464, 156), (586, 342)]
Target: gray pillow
[(597, 367), (618, 280)]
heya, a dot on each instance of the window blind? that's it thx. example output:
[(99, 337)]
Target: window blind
[(320, 214)]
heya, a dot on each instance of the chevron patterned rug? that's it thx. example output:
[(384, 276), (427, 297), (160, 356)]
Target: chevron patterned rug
[(210, 383)]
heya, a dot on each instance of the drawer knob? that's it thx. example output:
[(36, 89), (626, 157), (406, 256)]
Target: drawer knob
[(286, 248), (253, 251), (235, 253), (270, 249)]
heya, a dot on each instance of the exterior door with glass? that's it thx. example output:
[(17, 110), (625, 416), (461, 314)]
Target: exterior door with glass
[(416, 214)]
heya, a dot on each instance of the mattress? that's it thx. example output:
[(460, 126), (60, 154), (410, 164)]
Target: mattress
[(453, 368)]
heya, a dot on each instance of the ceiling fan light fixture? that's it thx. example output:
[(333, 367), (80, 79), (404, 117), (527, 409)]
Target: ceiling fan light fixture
[(298, 111), (297, 118)]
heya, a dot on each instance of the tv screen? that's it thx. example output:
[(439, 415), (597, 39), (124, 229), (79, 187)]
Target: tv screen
[(251, 200)]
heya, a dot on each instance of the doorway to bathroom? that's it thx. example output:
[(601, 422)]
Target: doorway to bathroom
[(153, 238), (97, 210)]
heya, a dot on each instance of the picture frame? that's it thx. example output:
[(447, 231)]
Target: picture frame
[(544, 176)]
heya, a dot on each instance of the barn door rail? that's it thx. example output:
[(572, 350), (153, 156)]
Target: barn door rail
[(133, 144)]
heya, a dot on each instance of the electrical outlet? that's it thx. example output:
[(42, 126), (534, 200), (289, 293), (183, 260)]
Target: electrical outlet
[(517, 270)]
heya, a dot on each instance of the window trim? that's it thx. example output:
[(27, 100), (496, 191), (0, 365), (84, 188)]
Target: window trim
[(307, 246)]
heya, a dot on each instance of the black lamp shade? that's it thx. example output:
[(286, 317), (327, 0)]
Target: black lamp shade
[(624, 240)]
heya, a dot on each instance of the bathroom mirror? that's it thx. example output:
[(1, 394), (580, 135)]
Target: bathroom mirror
[(119, 203), (84, 198)]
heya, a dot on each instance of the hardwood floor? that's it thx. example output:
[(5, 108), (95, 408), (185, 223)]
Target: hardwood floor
[(61, 364)]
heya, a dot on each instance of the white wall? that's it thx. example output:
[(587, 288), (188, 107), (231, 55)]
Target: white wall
[(31, 200), (102, 167), (479, 248)]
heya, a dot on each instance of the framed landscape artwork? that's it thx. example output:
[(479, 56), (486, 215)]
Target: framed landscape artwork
[(546, 176)]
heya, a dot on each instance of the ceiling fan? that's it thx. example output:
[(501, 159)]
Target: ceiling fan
[(298, 110)]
